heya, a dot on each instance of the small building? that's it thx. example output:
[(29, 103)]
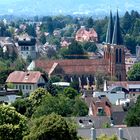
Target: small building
[(61, 84), (66, 41), (129, 62), (8, 45), (27, 47), (8, 96), (26, 81), (57, 32)]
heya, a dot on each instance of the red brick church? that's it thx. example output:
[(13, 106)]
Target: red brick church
[(112, 63)]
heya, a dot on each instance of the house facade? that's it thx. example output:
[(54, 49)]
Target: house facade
[(26, 81), (83, 35)]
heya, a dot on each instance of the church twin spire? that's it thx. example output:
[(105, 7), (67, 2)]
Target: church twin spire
[(114, 34), (109, 30)]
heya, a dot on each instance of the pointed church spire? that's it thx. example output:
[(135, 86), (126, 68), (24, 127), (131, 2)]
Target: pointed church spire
[(109, 30), (117, 37)]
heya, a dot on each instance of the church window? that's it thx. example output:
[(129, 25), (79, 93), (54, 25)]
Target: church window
[(120, 56), (117, 56)]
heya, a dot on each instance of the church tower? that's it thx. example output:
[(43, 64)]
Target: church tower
[(114, 50)]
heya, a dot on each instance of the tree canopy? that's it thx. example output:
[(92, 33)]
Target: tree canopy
[(74, 51), (12, 124), (133, 115), (134, 73), (52, 127), (61, 105)]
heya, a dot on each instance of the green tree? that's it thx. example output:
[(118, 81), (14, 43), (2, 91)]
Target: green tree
[(31, 30), (55, 79), (136, 30), (70, 92), (75, 85), (105, 137), (52, 127), (37, 96), (89, 46), (51, 88), (75, 51), (68, 32), (58, 104), (4, 74), (12, 124), (130, 43), (89, 23), (100, 77), (24, 106), (134, 73), (42, 39), (80, 108), (47, 26), (19, 64), (61, 105), (126, 22), (133, 115)]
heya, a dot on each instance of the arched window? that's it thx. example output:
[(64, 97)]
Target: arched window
[(120, 56), (117, 56), (120, 77)]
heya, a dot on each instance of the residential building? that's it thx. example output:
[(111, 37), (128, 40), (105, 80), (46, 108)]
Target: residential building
[(100, 106), (8, 45), (66, 41), (27, 47), (26, 81), (83, 35), (8, 96), (130, 60)]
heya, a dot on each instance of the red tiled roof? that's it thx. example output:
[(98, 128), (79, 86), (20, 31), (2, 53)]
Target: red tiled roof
[(24, 77), (75, 66)]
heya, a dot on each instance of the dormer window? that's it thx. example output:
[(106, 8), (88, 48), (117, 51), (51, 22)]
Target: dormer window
[(100, 111)]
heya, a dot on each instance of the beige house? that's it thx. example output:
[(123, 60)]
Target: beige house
[(26, 81)]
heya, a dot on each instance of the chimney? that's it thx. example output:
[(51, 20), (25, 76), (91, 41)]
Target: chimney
[(6, 87), (120, 133), (105, 85), (93, 134)]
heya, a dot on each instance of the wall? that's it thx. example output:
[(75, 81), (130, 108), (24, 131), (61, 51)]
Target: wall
[(113, 97)]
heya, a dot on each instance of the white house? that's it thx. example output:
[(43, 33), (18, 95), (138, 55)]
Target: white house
[(26, 81)]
